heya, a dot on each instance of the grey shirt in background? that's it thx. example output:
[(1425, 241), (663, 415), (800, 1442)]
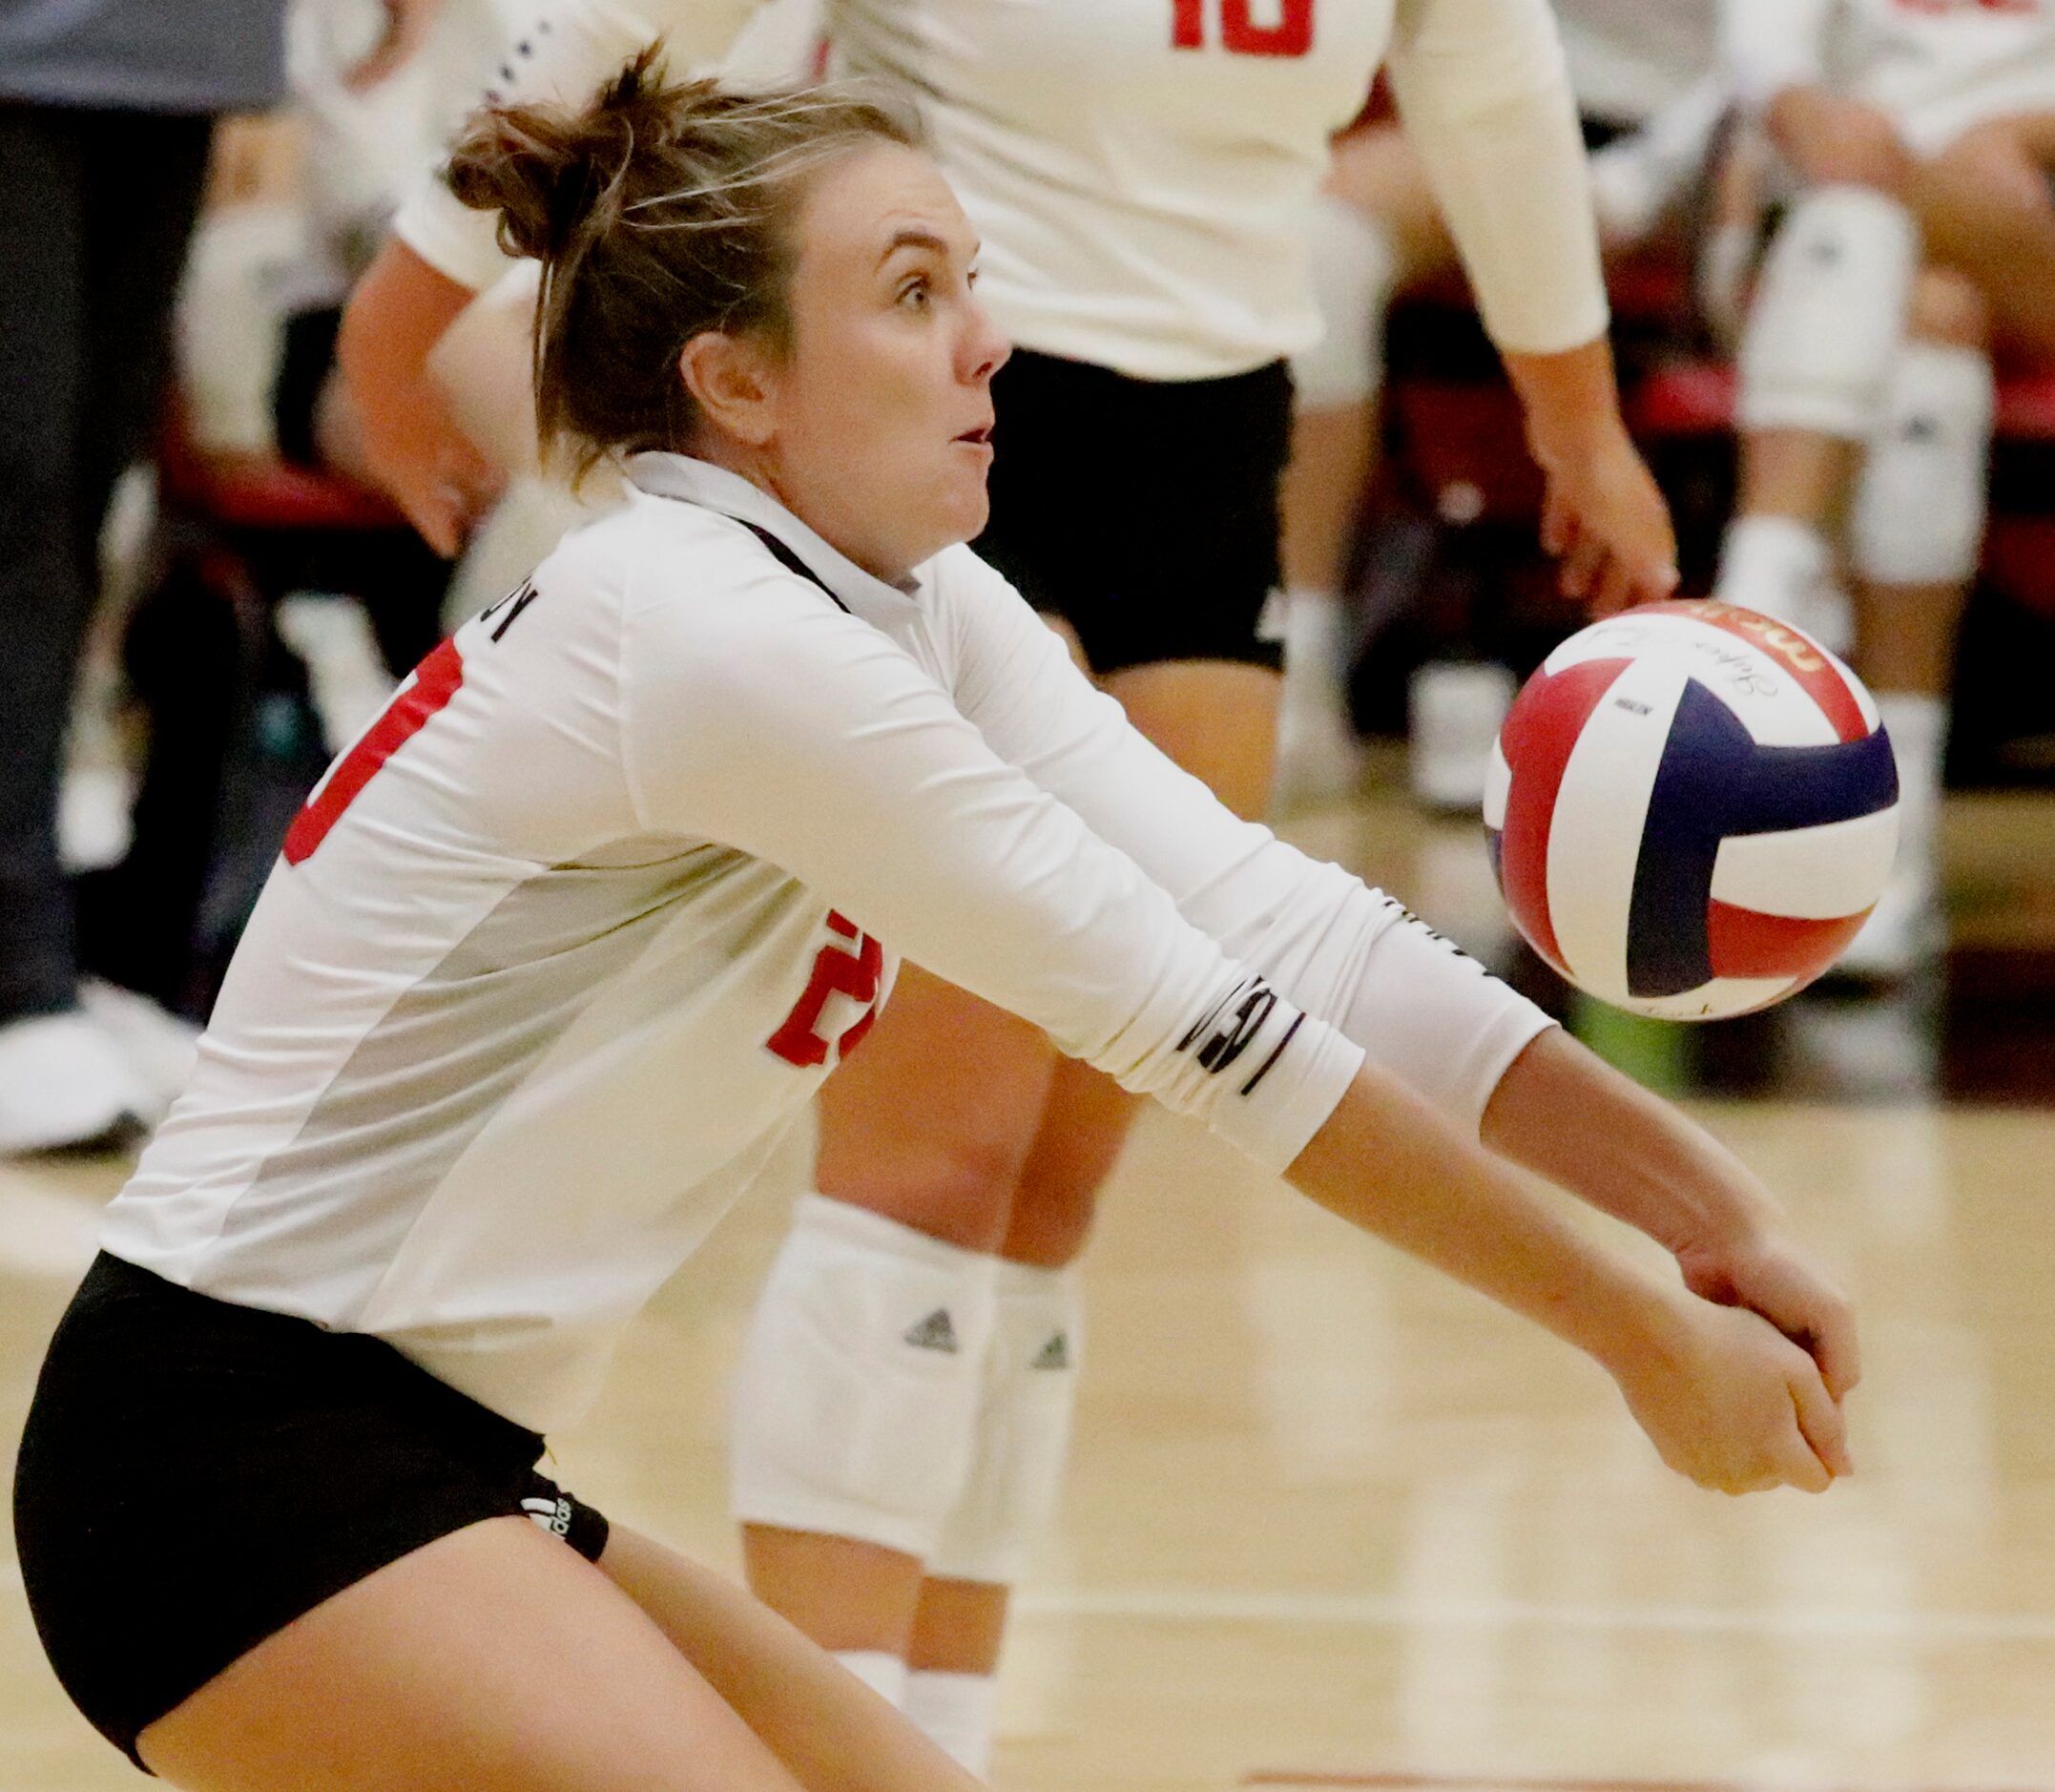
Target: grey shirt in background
[(147, 56)]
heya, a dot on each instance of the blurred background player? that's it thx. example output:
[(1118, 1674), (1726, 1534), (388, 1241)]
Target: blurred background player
[(1919, 236), (107, 108), (1140, 175), (106, 112), (1646, 87)]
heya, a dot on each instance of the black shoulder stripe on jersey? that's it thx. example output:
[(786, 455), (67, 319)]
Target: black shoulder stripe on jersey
[(791, 563)]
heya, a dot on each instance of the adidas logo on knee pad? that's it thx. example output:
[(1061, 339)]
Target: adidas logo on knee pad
[(936, 1332), (1054, 1354)]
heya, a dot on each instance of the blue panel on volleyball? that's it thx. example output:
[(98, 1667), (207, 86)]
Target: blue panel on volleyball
[(1714, 780)]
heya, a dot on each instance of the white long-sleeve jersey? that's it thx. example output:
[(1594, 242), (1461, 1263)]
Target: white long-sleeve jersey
[(1143, 171), (1936, 68), (561, 944)]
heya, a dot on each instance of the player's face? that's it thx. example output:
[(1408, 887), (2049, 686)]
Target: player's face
[(883, 414)]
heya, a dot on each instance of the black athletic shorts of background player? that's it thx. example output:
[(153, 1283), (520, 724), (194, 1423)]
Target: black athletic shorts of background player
[(1143, 512), (197, 1474)]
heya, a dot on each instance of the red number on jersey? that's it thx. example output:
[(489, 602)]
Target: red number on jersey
[(1240, 35), (433, 683), (836, 972)]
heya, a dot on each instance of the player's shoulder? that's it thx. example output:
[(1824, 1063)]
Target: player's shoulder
[(961, 576), (965, 596), (657, 550)]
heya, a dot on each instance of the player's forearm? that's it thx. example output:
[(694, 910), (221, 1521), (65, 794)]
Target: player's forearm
[(1572, 399), (1565, 1114), (1486, 102), (397, 312), (1388, 1163)]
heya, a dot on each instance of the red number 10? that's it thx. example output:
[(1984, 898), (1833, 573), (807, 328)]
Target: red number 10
[(1240, 35)]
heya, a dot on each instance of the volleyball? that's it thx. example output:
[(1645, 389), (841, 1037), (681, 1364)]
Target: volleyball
[(1692, 808)]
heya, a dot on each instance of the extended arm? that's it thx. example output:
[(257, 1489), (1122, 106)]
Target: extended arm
[(773, 723), (1424, 1013), (767, 719), (1565, 1114), (1725, 1400)]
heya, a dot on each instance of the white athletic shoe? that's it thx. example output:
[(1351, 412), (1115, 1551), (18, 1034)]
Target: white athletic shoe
[(159, 1048), (64, 1085), (1455, 709)]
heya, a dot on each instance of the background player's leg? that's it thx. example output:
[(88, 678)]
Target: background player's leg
[(1380, 231), (1376, 173), (1335, 387), (960, 1125), (1216, 719), (1022, 1440), (1823, 331), (852, 1416), (91, 266), (1986, 211), (495, 1660), (1916, 537)]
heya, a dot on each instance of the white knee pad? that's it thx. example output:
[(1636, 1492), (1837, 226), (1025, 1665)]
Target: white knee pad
[(1919, 503), (1024, 1428), (854, 1404), (1352, 268), (1829, 314)]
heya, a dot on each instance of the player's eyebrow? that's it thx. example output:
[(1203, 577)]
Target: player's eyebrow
[(913, 237)]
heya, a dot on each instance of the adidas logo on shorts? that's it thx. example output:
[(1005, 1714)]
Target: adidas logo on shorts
[(936, 1332), (553, 1515)]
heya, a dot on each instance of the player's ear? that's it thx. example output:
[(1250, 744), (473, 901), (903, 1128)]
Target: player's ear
[(730, 378)]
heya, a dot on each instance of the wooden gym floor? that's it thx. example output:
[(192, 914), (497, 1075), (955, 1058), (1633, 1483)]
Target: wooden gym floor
[(1333, 1523)]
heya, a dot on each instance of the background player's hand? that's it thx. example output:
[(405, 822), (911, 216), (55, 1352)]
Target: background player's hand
[(405, 26), (1605, 520), (412, 443), (434, 474), (1731, 1404), (1603, 513)]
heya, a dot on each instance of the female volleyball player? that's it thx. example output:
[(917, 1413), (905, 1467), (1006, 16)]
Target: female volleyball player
[(558, 949), (1142, 172)]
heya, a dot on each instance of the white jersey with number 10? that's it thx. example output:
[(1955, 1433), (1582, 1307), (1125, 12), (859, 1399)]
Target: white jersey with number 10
[(1143, 171)]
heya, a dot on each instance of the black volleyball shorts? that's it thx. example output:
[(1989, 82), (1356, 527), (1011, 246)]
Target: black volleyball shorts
[(1143, 512), (195, 1475)]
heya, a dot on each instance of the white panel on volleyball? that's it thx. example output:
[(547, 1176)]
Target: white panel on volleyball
[(1594, 834), (1777, 710), (1717, 1000), (1807, 873)]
